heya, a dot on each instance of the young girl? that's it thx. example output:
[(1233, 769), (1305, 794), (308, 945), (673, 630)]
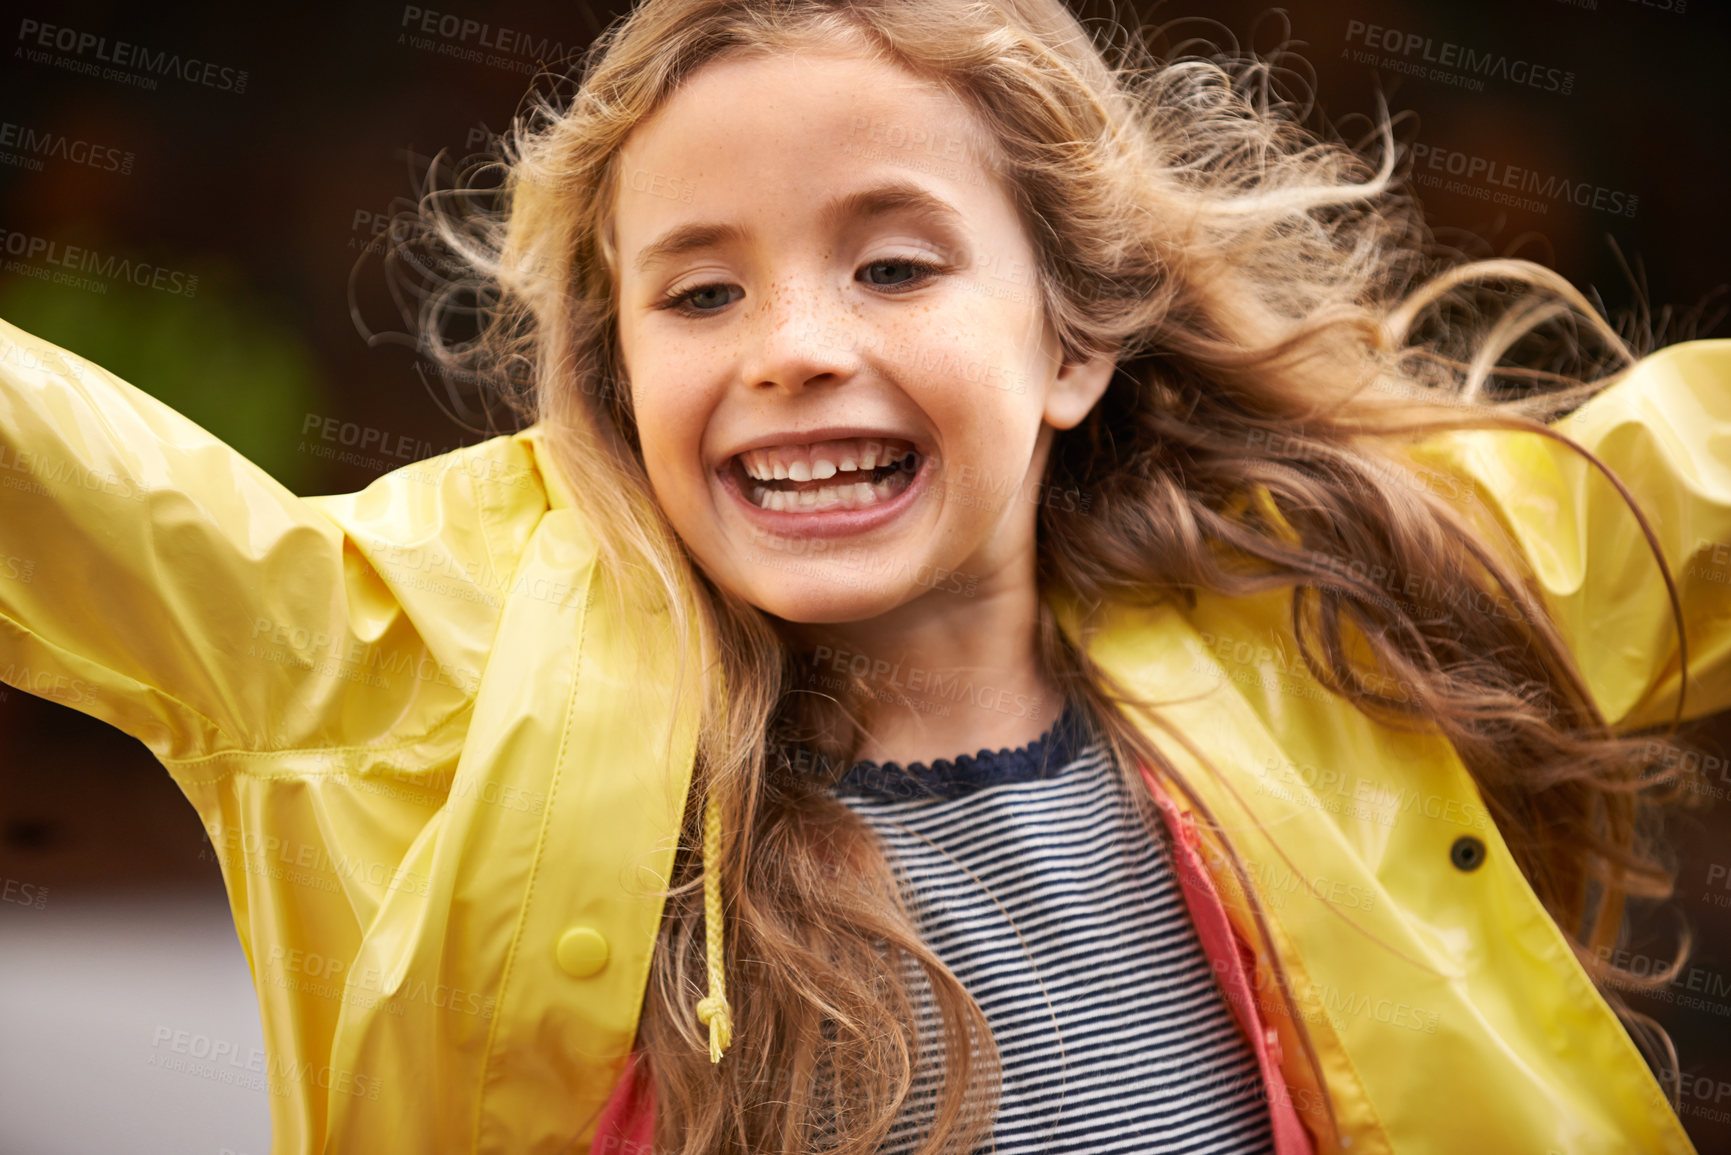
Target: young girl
[(1016, 622)]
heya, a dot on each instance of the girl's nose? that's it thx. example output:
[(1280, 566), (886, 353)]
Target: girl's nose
[(804, 334)]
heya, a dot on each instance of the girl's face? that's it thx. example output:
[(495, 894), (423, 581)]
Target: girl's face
[(844, 385)]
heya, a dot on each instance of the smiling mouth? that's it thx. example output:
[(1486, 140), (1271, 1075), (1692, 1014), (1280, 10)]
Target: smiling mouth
[(853, 473)]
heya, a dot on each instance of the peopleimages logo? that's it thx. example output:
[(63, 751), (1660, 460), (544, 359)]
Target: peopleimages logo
[(1424, 56), (85, 52), (478, 42), (27, 147), (1511, 184), (76, 265)]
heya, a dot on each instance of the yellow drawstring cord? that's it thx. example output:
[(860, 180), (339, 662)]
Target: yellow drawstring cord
[(714, 1009)]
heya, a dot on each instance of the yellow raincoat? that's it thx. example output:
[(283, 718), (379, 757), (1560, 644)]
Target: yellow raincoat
[(442, 774)]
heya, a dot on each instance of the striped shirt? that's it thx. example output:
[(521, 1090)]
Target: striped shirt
[(1112, 1031)]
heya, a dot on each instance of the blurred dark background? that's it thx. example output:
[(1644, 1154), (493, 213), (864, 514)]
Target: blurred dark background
[(1598, 146)]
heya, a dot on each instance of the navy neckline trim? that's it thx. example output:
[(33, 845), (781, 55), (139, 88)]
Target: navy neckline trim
[(1045, 757)]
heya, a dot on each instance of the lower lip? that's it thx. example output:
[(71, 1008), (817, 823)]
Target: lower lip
[(832, 522)]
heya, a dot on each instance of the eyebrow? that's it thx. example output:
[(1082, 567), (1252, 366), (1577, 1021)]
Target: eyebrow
[(890, 197)]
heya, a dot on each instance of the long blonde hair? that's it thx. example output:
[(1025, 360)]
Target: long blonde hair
[(1263, 287)]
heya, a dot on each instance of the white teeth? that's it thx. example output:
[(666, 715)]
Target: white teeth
[(815, 463), (849, 495), (842, 482), (757, 466)]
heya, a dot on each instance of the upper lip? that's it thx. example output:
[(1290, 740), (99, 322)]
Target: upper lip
[(822, 433)]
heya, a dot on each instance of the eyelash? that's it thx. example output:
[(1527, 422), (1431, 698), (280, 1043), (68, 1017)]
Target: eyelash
[(680, 302)]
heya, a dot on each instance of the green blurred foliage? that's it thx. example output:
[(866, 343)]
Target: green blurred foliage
[(219, 355)]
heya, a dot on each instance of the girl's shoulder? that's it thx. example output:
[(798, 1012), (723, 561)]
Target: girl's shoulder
[(1662, 428), (503, 480)]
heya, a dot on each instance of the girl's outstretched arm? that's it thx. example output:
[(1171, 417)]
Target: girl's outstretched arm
[(1664, 429), (153, 577), (305, 668)]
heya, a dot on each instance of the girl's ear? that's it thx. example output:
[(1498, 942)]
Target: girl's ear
[(1078, 386)]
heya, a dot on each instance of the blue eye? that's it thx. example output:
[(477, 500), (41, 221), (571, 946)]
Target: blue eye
[(919, 272), (711, 298)]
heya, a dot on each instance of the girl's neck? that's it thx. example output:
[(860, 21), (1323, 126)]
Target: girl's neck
[(947, 676)]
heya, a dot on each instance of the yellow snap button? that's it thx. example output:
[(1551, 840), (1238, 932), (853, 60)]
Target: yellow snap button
[(582, 951)]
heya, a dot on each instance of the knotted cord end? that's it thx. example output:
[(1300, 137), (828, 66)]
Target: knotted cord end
[(715, 1011)]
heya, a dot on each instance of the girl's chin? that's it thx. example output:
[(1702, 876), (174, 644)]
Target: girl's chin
[(832, 594)]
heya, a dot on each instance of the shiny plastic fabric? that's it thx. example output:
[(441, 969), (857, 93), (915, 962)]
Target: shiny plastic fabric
[(443, 767)]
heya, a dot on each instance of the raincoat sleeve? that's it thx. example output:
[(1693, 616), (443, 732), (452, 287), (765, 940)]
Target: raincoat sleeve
[(307, 670), (154, 578), (1664, 428)]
